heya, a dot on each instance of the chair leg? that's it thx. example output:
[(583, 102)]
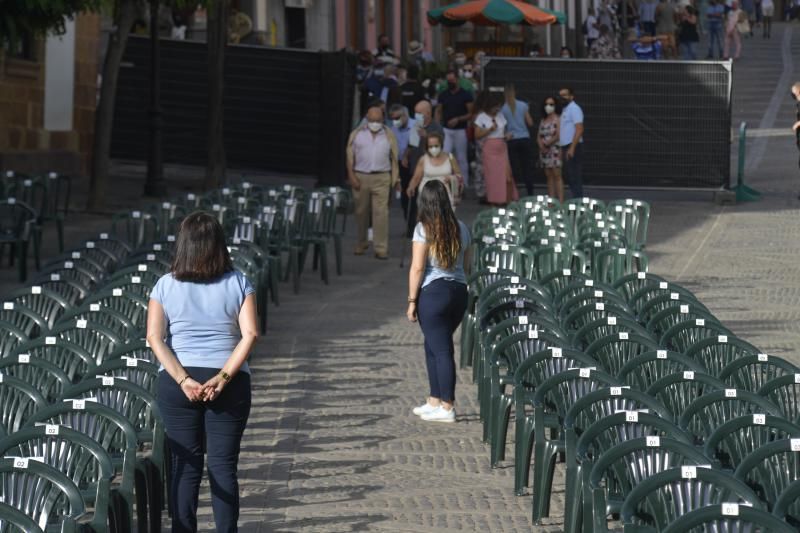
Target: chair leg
[(323, 260), (141, 501), (60, 229), (22, 251), (337, 248)]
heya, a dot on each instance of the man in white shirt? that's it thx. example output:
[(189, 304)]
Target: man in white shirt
[(571, 141), (592, 29)]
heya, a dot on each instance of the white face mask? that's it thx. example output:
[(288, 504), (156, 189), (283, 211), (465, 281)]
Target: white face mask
[(419, 117), (468, 74), (398, 123), (549, 109), (375, 127), (435, 150)]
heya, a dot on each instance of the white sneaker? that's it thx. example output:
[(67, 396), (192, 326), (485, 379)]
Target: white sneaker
[(424, 409), (440, 414)]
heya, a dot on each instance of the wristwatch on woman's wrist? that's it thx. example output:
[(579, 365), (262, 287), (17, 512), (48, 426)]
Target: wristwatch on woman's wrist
[(225, 376)]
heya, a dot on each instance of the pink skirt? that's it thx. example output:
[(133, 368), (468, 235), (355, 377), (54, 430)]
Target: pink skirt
[(496, 168)]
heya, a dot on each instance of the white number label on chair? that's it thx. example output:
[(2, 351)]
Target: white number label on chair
[(500, 231), (94, 307), (69, 264), (131, 362), (136, 279), (556, 352), (663, 285), (166, 205), (598, 216), (147, 343), (653, 442), (504, 247), (628, 201), (763, 358), (528, 205), (523, 320), (76, 255), (623, 335), (597, 244), (191, 196), (519, 304), (722, 339), (36, 289), (598, 294), (215, 207), (599, 306), (50, 340), (157, 247), (79, 404), (51, 429), (492, 270), (116, 292), (151, 257), (226, 191), (661, 354), (759, 419), (136, 214), (246, 220), (689, 472), (533, 333), (501, 211), (90, 244), (730, 393), (601, 224), (11, 200), (170, 238), (141, 268), (572, 207), (684, 309), (8, 306), (585, 372), (700, 322), (495, 220), (557, 249), (513, 291), (618, 208), (589, 283), (674, 296), (622, 251), (566, 272), (551, 233), (80, 323), (616, 391), (612, 321), (104, 236), (241, 200), (688, 375), (24, 358), (730, 509), (488, 239), (797, 378), (641, 275), (794, 445), (21, 463), (246, 185), (107, 381), (544, 242), (514, 279), (631, 416)]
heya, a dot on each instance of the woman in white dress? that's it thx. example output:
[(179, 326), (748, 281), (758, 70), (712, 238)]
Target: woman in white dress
[(438, 165)]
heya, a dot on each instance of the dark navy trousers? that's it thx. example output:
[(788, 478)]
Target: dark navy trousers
[(214, 428), (440, 308)]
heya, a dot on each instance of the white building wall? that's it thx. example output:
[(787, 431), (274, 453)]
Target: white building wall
[(59, 79)]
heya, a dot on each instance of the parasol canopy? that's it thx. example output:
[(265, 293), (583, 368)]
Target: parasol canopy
[(494, 13)]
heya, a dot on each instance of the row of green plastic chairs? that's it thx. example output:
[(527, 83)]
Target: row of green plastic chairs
[(630, 285)]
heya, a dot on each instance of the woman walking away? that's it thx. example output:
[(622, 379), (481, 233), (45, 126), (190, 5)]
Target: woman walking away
[(688, 32), (733, 38), (549, 151), (491, 126), (206, 311), (520, 147), (436, 165), (437, 295)]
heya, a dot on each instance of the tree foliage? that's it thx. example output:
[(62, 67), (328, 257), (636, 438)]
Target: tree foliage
[(39, 17)]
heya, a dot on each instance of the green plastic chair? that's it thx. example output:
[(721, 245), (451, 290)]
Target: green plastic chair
[(679, 390), (78, 456), (666, 496), (716, 352), (551, 400), (613, 352), (714, 408), (683, 335), (96, 339), (31, 323), (629, 284), (603, 327), (787, 507), (43, 375), (18, 229), (12, 520), (594, 242), (771, 468), (476, 282), (555, 282), (784, 392), (47, 304), (642, 371), (737, 438), (610, 265), (599, 437), (509, 257), (751, 372), (587, 288), (557, 258), (114, 321), (10, 337), (591, 295), (634, 215), (589, 312), (136, 227), (132, 283), (18, 400), (75, 361), (73, 290), (74, 272), (674, 313), (585, 411), (137, 371), (132, 306), (117, 436), (651, 290), (728, 517), (43, 493), (617, 471), (685, 304)]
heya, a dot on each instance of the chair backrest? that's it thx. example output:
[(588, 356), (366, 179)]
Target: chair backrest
[(587, 287), (629, 284), (18, 400), (12, 520), (716, 352), (74, 360), (555, 282), (687, 333), (663, 312), (737, 438), (603, 327), (714, 408), (667, 495), (138, 371), (23, 317), (751, 372), (559, 392), (647, 368), (48, 304), (607, 401), (98, 340), (10, 337), (43, 375), (784, 392), (614, 352), (787, 507), (542, 365), (679, 390), (729, 517), (610, 265), (648, 291)]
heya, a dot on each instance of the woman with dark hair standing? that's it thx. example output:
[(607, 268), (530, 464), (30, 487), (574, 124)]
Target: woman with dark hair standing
[(491, 126), (201, 325), (549, 152), (437, 295)]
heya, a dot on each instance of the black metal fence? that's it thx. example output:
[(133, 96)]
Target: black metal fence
[(664, 124), (284, 110)]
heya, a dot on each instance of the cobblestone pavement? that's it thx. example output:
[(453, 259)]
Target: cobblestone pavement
[(332, 445)]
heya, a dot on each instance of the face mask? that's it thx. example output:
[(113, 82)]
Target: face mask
[(374, 127), (549, 109), (419, 117), (397, 123), (461, 61), (468, 74), (564, 56), (378, 72), (435, 150)]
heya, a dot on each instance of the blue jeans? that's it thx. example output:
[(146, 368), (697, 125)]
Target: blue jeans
[(714, 36), (574, 170), (440, 308), (688, 50), (214, 428)]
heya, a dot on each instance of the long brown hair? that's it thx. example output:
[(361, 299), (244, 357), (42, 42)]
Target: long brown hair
[(201, 254), (442, 230), (511, 97)]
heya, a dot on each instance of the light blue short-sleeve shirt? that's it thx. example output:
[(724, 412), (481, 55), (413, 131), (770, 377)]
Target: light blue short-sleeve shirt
[(516, 120), (570, 116), (203, 318), (432, 269)]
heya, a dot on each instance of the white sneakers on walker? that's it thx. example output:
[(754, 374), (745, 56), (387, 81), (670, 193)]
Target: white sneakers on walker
[(440, 414), (423, 409)]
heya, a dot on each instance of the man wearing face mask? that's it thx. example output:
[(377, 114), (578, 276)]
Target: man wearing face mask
[(412, 91), (402, 126), (571, 141), (453, 112), (372, 170), (424, 125)]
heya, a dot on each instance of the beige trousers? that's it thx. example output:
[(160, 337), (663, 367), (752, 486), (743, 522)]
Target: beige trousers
[(373, 196)]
